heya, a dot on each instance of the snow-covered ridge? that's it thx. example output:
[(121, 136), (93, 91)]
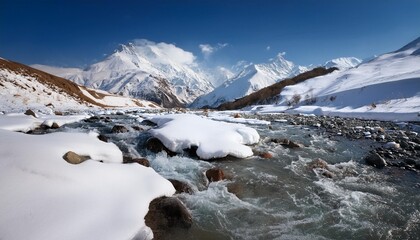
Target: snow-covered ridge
[(132, 69), (251, 79), (343, 63), (387, 87), (23, 87)]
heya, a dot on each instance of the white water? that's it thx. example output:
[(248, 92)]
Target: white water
[(282, 198)]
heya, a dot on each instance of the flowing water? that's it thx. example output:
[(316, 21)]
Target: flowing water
[(283, 197)]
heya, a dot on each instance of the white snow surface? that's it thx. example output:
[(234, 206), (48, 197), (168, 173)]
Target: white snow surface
[(385, 88), (44, 197), (24, 123), (251, 79), (214, 139)]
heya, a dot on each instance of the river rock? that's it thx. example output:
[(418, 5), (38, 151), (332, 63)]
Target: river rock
[(166, 213), (287, 143), (119, 129), (103, 138), (392, 145), (155, 145), (29, 112), (92, 119), (266, 155), (318, 163), (215, 174), (74, 158), (327, 174), (141, 161), (137, 128), (375, 160), (181, 187), (55, 125)]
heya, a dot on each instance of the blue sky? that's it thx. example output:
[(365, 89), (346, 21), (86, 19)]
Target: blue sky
[(78, 33)]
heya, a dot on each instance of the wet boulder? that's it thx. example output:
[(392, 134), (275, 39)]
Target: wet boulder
[(103, 138), (265, 155), (287, 143), (327, 174), (166, 213), (374, 159), (155, 145), (119, 129), (137, 128), (215, 175), (318, 163), (142, 161), (181, 187)]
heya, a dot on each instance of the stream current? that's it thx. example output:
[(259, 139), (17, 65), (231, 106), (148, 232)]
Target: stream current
[(283, 197)]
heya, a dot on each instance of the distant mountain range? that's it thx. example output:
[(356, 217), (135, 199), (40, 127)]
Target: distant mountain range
[(386, 87), (171, 77)]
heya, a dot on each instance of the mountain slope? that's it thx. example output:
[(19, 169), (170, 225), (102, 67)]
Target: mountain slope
[(269, 94), (133, 68), (386, 87), (23, 87), (251, 79)]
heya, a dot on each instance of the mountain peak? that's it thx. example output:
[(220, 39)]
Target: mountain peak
[(415, 45), (343, 63)]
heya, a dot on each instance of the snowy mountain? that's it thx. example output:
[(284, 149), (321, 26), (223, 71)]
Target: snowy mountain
[(23, 87), (343, 63), (386, 87), (147, 70), (252, 78)]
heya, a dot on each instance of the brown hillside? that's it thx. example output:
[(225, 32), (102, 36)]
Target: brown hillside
[(60, 84), (268, 94)]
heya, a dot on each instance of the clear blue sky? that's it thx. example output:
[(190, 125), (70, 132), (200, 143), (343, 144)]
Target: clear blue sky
[(80, 32)]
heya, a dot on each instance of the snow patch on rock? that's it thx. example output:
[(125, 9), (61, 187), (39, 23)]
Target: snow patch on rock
[(214, 139)]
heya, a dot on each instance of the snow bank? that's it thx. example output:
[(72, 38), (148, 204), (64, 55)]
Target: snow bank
[(44, 197), (24, 123), (213, 139)]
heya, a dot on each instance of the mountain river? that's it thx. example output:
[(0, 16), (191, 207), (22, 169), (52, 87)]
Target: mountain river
[(284, 197)]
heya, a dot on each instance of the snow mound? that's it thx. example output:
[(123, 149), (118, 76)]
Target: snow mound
[(44, 197), (214, 139), (24, 123)]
